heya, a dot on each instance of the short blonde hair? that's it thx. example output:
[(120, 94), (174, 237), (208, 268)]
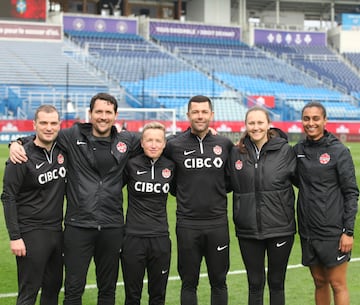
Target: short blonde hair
[(153, 125)]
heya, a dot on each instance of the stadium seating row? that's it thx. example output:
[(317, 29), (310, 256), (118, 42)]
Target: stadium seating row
[(165, 71)]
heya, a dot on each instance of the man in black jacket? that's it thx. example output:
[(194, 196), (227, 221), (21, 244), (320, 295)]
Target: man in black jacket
[(94, 220), (202, 222), (33, 197)]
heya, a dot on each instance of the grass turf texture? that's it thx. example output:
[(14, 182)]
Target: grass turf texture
[(299, 286)]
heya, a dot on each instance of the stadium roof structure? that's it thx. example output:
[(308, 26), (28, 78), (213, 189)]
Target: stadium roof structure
[(312, 9)]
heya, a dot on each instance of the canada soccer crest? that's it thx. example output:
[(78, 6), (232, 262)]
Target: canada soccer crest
[(21, 6), (121, 147), (166, 173), (60, 159), (217, 150), (238, 165), (324, 158)]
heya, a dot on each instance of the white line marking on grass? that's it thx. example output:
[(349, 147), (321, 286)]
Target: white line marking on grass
[(173, 278)]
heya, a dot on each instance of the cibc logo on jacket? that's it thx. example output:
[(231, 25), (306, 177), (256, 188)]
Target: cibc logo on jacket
[(50, 175), (149, 187), (203, 162)]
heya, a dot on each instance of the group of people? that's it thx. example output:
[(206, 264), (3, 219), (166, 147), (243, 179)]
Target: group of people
[(92, 162), (262, 169)]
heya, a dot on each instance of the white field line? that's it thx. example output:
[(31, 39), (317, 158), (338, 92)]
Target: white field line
[(175, 278)]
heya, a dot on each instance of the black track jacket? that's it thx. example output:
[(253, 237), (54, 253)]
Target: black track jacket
[(328, 193), (33, 192), (94, 201), (263, 195), (199, 178), (148, 185)]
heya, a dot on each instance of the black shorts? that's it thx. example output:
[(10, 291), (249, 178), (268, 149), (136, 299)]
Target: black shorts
[(322, 252)]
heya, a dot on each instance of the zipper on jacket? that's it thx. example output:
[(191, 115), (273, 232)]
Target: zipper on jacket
[(257, 199), (49, 154), (152, 162), (201, 145)]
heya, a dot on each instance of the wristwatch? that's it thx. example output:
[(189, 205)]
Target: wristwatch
[(348, 232)]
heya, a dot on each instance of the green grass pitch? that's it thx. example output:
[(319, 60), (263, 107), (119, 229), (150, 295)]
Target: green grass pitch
[(299, 286)]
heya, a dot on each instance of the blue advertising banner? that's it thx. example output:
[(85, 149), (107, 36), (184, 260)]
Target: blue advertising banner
[(289, 38), (100, 24), (194, 30), (7, 137), (350, 22)]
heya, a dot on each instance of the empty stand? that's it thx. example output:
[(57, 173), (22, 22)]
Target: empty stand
[(42, 72), (167, 70), (252, 71)]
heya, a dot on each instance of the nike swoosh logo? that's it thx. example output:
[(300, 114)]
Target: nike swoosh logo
[(78, 142), (339, 258), (37, 166), (141, 172), (280, 244), (219, 248), (164, 271), (188, 152)]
